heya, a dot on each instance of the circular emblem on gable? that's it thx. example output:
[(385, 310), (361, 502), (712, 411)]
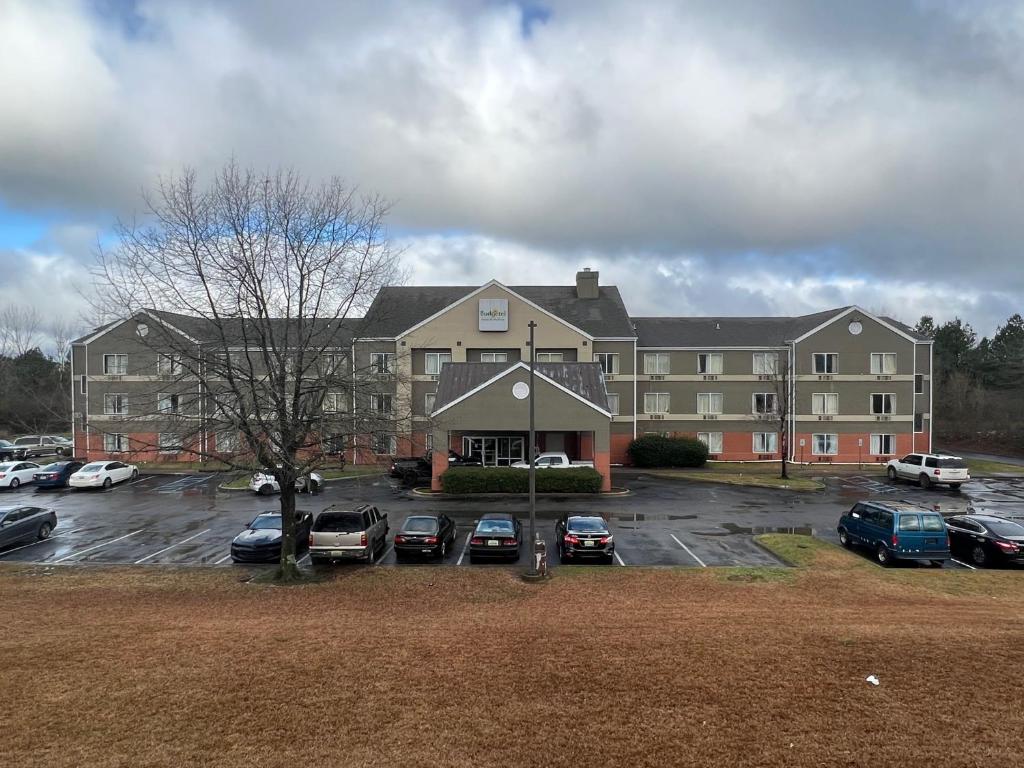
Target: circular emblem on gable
[(520, 390), (856, 327), (142, 329)]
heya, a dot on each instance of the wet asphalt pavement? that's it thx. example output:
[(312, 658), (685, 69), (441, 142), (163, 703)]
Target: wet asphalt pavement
[(185, 520)]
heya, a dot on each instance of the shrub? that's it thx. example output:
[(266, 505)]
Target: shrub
[(460, 480), (657, 451)]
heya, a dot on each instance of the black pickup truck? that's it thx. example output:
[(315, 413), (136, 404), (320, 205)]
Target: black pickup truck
[(412, 470)]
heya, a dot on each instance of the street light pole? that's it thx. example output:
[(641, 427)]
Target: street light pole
[(533, 457)]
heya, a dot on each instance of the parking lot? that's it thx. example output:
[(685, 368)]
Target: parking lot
[(185, 520)]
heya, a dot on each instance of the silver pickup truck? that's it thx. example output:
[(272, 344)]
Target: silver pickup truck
[(348, 534)]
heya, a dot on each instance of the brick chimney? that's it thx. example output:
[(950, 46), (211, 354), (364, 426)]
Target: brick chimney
[(586, 284)]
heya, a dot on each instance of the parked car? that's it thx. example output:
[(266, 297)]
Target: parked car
[(582, 537), (56, 475), (8, 451), (927, 469), (15, 473), (35, 446), (348, 534), (552, 460), (986, 539), (431, 535), (895, 530), (264, 483), (497, 534), (102, 474), (260, 542), (422, 467), (20, 524)]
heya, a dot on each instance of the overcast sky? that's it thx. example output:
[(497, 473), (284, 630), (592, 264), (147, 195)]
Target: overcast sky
[(707, 157)]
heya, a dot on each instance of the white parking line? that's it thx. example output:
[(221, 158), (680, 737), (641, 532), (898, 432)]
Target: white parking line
[(965, 565), (41, 541), (689, 551), (105, 543), (300, 561), (183, 541), (617, 557), (384, 554), (226, 557), (465, 546)]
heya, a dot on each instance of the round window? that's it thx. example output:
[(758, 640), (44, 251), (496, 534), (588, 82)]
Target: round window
[(142, 329), (521, 390), (856, 327)]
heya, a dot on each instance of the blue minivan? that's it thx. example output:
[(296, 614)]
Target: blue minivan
[(896, 530)]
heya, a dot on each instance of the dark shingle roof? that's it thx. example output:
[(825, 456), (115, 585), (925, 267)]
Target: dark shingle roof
[(332, 332), (585, 379), (398, 308)]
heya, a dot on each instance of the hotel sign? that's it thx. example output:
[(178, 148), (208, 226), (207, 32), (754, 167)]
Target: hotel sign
[(493, 314)]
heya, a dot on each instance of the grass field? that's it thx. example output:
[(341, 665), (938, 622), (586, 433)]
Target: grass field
[(472, 667)]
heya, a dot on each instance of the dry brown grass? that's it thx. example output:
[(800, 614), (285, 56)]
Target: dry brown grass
[(463, 666)]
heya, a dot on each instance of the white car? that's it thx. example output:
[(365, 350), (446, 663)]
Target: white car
[(15, 473), (102, 474), (264, 483), (927, 469)]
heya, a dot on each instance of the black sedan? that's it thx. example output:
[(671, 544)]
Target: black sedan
[(986, 539), (260, 542), (25, 524), (431, 535), (497, 535), (56, 475), (582, 537)]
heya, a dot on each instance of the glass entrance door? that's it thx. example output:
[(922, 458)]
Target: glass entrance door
[(493, 451)]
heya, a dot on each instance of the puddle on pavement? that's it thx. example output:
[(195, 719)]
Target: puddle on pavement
[(731, 529)]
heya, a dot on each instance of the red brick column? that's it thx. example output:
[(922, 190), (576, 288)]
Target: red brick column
[(586, 445), (440, 462)]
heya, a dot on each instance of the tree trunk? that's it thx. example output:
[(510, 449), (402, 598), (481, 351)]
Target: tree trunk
[(287, 569)]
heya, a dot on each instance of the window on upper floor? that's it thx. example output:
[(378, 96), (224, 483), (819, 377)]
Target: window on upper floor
[(433, 361), (382, 363), (115, 365), (709, 363), (494, 357), (764, 403), (883, 363), (613, 403), (335, 402), (609, 362), (919, 422), (883, 403), (766, 363), (550, 357), (167, 402), (709, 402), (918, 384), (824, 403), (115, 404), (656, 402), (428, 402), (380, 403), (168, 365), (826, 363), (656, 363), (334, 363)]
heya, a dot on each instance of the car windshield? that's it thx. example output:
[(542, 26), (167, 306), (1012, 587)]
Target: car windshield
[(339, 522), (586, 525), (57, 466), (266, 521), (952, 464), (94, 467), (1005, 528), (932, 523), (495, 526), (420, 525)]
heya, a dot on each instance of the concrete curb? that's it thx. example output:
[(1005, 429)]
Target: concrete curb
[(615, 493)]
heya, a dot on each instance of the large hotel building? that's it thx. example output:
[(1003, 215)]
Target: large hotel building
[(445, 362)]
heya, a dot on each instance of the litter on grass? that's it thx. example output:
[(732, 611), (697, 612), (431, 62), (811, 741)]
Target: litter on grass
[(872, 679)]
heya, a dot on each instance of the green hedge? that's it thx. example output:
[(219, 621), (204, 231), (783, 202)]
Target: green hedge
[(657, 451), (507, 480)]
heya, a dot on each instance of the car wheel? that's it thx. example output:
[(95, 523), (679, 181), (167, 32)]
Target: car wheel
[(844, 538), (107, 483), (892, 474), (44, 531), (978, 555), (135, 474), (609, 559), (15, 482), (314, 486), (924, 481), (266, 489), (883, 556)]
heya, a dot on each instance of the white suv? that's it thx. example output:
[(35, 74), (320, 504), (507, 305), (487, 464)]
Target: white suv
[(927, 469)]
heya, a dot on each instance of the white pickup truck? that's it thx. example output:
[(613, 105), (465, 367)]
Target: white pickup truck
[(554, 460)]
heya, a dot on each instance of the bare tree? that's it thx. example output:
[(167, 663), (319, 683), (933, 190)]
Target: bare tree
[(19, 330), (777, 411), (248, 292)]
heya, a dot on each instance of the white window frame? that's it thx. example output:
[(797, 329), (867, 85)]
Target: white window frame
[(828, 356), (494, 357), (609, 362), (613, 403), (389, 450), (335, 402), (765, 442), (428, 441), (707, 439), (657, 364), (760, 363), (657, 402), (891, 400), (820, 403), (434, 361), (876, 444), (826, 452), (918, 384), (879, 366), (550, 357), (429, 399), (916, 430), (83, 387), (118, 439), (161, 397), (108, 410), (712, 362), (775, 403), (164, 445), (232, 441), (709, 407), (168, 365), (115, 364), (376, 403), (382, 363), (334, 362)]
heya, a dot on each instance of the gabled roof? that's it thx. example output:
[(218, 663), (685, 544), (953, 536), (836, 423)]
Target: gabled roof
[(396, 309), (585, 381)]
